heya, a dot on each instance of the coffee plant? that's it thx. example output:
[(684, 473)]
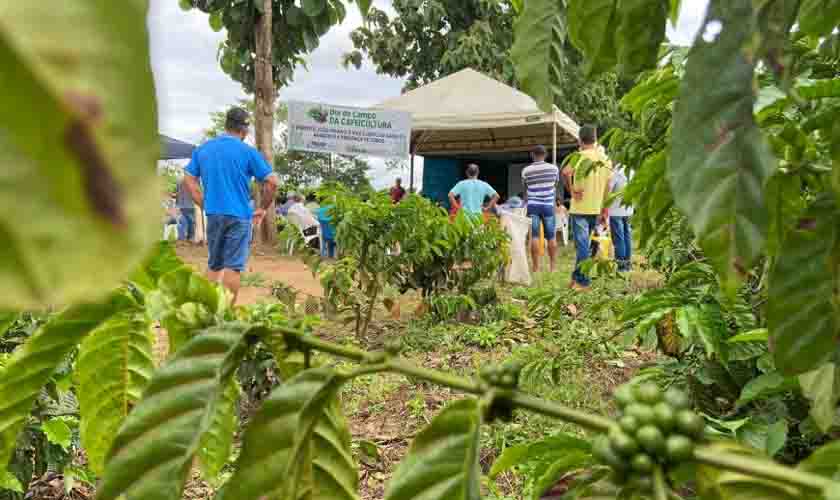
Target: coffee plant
[(753, 172)]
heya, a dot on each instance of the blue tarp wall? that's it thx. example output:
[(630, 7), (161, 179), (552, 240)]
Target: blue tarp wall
[(439, 175)]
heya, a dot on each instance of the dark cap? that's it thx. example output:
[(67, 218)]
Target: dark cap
[(237, 118), (539, 150)]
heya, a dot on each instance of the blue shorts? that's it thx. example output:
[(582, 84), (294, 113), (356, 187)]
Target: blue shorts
[(228, 242), (543, 214)]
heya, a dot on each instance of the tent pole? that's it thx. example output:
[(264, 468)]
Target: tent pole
[(411, 175), (554, 146)]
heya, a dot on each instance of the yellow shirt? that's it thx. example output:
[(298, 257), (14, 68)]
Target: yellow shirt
[(594, 184)]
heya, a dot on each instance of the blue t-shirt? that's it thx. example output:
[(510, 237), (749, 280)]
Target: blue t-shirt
[(225, 166), (473, 192), (327, 228)]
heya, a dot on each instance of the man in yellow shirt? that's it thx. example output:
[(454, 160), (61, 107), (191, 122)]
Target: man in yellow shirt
[(588, 182)]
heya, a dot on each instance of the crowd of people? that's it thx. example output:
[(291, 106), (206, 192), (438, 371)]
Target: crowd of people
[(585, 211), (218, 180)]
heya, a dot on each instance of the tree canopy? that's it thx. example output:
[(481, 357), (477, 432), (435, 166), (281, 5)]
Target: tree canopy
[(429, 40)]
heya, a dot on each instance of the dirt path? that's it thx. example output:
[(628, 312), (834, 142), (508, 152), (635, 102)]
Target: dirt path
[(264, 268)]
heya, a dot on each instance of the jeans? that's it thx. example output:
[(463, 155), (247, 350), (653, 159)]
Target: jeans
[(622, 238), (543, 215), (582, 228), (328, 248), (186, 224), (228, 242)]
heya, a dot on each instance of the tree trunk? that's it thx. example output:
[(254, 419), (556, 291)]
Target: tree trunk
[(264, 109)]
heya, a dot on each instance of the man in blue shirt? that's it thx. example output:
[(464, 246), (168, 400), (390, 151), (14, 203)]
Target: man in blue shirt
[(473, 192), (225, 166)]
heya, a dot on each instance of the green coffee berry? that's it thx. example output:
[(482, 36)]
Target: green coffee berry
[(624, 396), (648, 393), (629, 424), (690, 424), (677, 399), (641, 412), (679, 448), (642, 463), (623, 443), (664, 416), (651, 439)]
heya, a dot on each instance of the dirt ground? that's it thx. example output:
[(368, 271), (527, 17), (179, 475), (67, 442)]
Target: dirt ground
[(265, 267)]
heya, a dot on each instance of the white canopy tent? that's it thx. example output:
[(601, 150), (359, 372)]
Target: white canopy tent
[(468, 112)]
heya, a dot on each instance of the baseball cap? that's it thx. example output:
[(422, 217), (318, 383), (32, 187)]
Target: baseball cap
[(238, 116)]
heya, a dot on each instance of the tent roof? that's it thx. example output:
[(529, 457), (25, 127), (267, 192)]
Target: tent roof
[(470, 112), (173, 149)]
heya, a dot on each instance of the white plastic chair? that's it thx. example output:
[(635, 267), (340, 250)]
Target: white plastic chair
[(309, 232)]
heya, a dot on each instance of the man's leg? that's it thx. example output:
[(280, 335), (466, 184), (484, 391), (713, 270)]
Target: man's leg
[(182, 227), (215, 248), (628, 244), (550, 227), (617, 235), (237, 246), (189, 214), (535, 243), (582, 230)]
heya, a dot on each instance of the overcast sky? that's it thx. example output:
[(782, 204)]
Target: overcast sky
[(190, 83)]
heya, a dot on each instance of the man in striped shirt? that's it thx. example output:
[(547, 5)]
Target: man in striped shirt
[(540, 180)]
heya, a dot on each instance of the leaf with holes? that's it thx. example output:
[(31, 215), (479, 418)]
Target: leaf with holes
[(113, 367), (719, 158), (82, 157), (801, 314), (537, 51), (31, 366), (297, 445), (442, 463), (639, 34), (592, 30), (154, 450)]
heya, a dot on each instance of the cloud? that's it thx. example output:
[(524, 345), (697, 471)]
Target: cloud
[(190, 83)]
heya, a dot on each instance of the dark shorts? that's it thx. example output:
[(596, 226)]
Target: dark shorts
[(543, 214), (228, 242)]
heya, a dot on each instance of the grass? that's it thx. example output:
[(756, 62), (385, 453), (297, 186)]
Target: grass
[(255, 280)]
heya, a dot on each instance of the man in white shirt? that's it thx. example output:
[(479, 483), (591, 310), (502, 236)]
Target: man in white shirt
[(299, 210), (619, 215)]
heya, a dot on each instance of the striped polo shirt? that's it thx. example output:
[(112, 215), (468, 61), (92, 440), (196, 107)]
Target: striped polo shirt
[(541, 179)]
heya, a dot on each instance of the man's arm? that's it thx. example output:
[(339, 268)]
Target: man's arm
[(267, 194), (191, 183)]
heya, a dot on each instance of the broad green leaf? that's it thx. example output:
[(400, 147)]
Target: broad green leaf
[(819, 17), (161, 260), (297, 445), (547, 450), (719, 158), (785, 204), (820, 89), (7, 319), (571, 460), (442, 463), (313, 8), (592, 30), (822, 387), (153, 452), (216, 22), (9, 481), (113, 367), (703, 325), (800, 313), (82, 156), (767, 438), (57, 432), (716, 484), (364, 6), (32, 365), (674, 11), (639, 34), (764, 386), (758, 335), (217, 442), (825, 461), (539, 36), (776, 437)]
